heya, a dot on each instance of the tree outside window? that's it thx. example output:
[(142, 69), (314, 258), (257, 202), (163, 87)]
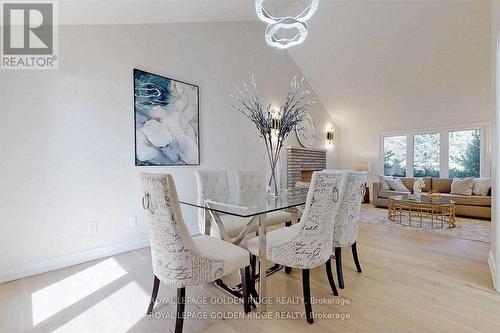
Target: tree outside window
[(465, 154), (426, 148), (395, 156)]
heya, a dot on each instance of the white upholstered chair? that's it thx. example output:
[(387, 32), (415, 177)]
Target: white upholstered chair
[(216, 182), (253, 180), (307, 244), (212, 182), (179, 260), (347, 220)]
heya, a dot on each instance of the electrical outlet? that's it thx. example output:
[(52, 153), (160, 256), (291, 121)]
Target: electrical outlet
[(92, 226), (132, 221)]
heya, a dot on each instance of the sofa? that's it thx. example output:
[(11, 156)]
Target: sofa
[(469, 206)]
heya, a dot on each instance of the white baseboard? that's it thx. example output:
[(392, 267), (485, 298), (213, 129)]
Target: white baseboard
[(47, 265), (491, 262)]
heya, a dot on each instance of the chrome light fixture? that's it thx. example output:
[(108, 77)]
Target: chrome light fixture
[(275, 123), (330, 137), (285, 23)]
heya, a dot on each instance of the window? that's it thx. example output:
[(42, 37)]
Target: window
[(426, 150), (464, 153), (395, 156), (446, 153)]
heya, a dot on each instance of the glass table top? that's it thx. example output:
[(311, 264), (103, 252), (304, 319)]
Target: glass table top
[(424, 200), (247, 204)]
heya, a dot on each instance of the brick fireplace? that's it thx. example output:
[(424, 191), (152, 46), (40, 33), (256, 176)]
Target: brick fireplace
[(302, 162)]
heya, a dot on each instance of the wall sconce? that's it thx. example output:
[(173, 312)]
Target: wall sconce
[(330, 137), (275, 123)]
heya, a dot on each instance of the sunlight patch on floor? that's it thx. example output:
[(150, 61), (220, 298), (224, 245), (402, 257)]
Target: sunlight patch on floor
[(56, 297), (118, 312)]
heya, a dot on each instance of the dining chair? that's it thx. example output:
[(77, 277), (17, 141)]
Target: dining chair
[(307, 244), (180, 260), (215, 182), (347, 221), (253, 180)]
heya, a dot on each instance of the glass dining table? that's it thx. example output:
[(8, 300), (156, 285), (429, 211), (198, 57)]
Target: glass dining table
[(253, 205)]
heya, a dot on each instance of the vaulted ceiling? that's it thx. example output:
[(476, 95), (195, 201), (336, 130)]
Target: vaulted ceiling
[(376, 66), (371, 61)]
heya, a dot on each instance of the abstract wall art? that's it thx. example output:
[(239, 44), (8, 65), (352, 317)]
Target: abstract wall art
[(166, 113)]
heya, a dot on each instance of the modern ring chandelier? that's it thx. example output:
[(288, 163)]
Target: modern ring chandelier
[(286, 23)]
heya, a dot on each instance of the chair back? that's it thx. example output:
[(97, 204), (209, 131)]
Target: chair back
[(347, 220), (310, 246), (209, 183), (249, 181), (176, 259)]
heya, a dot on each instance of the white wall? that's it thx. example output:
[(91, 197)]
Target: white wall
[(494, 256), (383, 66), (67, 136)]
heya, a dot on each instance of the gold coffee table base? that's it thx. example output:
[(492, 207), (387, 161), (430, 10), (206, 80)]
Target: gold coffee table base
[(417, 214)]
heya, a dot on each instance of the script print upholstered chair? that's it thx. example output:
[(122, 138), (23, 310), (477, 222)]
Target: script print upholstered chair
[(179, 260), (347, 221), (211, 182), (307, 244)]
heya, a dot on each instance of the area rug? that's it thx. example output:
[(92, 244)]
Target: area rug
[(471, 229)]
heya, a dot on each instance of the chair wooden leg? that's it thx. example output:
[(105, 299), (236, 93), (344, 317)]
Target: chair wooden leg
[(355, 256), (245, 285), (154, 294), (328, 268), (288, 270), (338, 262), (181, 304), (253, 277), (307, 295)]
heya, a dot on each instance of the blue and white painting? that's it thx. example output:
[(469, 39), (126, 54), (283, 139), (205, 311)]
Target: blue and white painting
[(166, 121)]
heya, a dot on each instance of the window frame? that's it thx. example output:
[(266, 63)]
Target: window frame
[(485, 158)]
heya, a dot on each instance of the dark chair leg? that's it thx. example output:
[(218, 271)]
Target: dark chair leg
[(154, 294), (307, 295), (288, 270), (181, 304), (338, 262), (328, 268), (253, 277), (355, 256), (245, 285)]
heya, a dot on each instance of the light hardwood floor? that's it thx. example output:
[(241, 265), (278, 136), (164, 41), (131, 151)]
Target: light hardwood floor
[(411, 282)]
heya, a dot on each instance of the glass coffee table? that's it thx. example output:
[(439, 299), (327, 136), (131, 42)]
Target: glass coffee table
[(422, 212)]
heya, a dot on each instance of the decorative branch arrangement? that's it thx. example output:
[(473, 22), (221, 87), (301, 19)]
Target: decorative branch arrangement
[(273, 125)]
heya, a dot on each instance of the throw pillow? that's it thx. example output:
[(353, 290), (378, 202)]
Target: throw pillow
[(383, 182), (481, 186), (397, 185), (462, 186)]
